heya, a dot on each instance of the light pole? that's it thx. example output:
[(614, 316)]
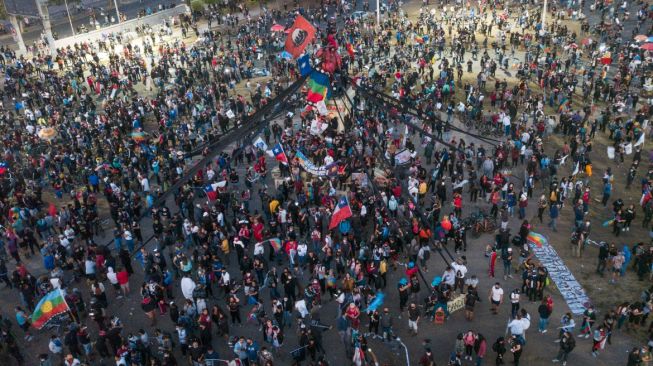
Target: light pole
[(405, 350), (44, 14), (544, 17), (115, 3), (72, 29), (16, 33), (378, 13)]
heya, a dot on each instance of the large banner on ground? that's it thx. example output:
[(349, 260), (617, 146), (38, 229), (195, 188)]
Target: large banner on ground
[(321, 171), (570, 289)]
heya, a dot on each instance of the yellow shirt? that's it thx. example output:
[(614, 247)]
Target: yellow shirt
[(273, 206)]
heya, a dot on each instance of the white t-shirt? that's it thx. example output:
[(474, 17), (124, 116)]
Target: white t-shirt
[(514, 297), (497, 293)]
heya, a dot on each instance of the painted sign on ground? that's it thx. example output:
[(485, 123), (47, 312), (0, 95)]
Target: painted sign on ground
[(456, 303), (570, 289)]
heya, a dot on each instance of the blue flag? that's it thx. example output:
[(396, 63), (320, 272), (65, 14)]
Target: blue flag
[(304, 65)]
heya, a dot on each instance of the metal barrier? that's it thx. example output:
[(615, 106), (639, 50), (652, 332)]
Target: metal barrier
[(127, 26)]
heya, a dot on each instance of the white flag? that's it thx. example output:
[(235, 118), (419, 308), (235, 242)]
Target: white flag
[(577, 169), (640, 140)]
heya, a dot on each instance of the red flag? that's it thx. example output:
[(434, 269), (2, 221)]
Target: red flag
[(341, 213), (299, 36)]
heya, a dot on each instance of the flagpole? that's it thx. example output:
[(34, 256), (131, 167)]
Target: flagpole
[(68, 306)]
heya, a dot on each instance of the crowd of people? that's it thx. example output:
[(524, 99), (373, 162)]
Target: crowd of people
[(248, 254)]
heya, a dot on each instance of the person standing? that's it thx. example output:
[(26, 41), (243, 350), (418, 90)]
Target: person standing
[(554, 212), (516, 349), (567, 344), (56, 347), (514, 303), (598, 340), (499, 347), (23, 320), (480, 347), (545, 312), (413, 318), (496, 297)]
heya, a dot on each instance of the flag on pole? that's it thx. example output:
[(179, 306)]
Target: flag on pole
[(576, 169), (51, 305), (304, 65), (279, 154), (211, 191), (299, 36), (341, 213), (318, 87), (275, 243)]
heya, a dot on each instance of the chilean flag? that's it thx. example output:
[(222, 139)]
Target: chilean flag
[(3, 168), (210, 190), (279, 154), (341, 213)]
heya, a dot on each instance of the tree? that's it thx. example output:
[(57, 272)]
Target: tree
[(197, 5)]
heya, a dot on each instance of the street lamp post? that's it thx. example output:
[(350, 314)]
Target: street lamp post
[(16, 33), (405, 350), (44, 14), (378, 13), (115, 3), (72, 29), (544, 17)]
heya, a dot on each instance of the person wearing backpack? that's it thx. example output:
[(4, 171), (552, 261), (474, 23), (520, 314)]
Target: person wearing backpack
[(499, 347), (567, 344)]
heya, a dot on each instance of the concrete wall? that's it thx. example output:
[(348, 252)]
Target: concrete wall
[(128, 26)]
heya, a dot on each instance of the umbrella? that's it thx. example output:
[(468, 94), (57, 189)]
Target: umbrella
[(647, 46), (640, 38), (278, 28), (586, 41), (47, 133)]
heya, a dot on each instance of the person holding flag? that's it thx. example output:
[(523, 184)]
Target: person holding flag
[(279, 154), (341, 212)]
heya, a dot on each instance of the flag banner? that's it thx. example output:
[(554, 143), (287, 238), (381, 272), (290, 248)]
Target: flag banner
[(211, 191), (321, 171), (299, 36), (279, 154), (318, 87), (402, 157), (341, 213), (376, 303), (536, 239), (275, 243), (628, 148), (640, 140), (51, 305), (304, 65)]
